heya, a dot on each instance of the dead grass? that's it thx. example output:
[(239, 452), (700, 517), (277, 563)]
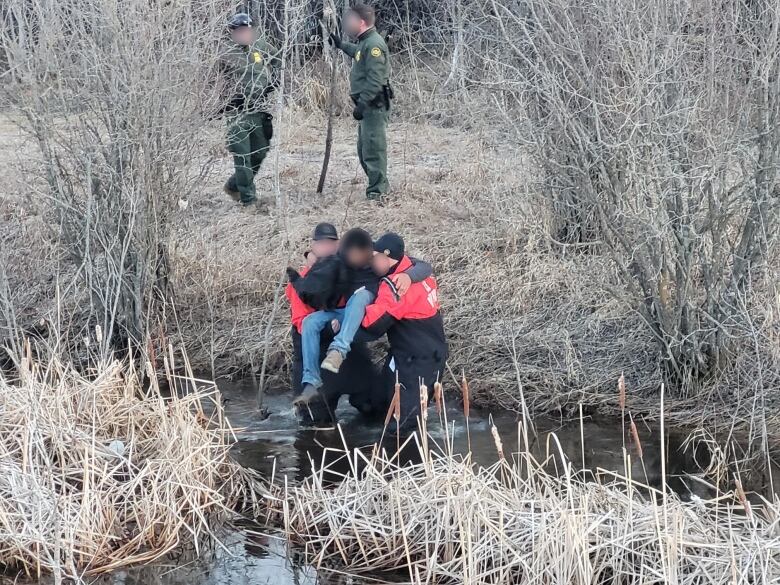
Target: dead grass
[(462, 202), (98, 473)]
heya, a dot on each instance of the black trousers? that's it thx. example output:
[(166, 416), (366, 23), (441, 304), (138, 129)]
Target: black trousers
[(410, 372), (358, 378)]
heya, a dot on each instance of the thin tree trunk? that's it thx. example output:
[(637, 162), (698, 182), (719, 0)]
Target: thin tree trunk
[(329, 131), (329, 15)]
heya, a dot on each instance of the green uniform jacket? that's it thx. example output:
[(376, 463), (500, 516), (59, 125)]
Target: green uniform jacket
[(370, 68), (251, 72)]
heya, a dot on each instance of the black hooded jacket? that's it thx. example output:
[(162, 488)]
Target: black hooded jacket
[(330, 281), (325, 285)]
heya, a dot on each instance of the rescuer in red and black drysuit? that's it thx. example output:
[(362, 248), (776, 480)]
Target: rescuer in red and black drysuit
[(324, 243), (414, 327)]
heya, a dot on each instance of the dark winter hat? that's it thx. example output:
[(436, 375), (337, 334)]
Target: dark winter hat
[(391, 245), (356, 238), (325, 231), (239, 20)]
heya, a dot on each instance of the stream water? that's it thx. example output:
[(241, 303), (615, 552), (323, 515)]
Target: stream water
[(277, 444)]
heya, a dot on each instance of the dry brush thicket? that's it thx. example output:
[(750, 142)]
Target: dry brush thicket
[(594, 182), (113, 97), (98, 473), (659, 128)]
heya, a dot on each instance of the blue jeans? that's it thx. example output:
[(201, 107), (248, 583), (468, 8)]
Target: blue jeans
[(349, 317)]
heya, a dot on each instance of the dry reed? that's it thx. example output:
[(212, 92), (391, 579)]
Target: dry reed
[(98, 473), (445, 520)]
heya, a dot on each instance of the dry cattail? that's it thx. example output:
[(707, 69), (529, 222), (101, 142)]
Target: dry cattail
[(437, 392), (424, 401), (464, 386), (497, 440), (622, 391), (152, 354), (395, 404), (635, 438)]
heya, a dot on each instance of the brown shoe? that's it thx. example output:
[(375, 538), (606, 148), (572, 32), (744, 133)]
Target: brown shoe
[(332, 361), (234, 195), (309, 394)]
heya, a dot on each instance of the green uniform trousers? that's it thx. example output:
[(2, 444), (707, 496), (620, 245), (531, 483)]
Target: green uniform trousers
[(372, 149), (249, 138)]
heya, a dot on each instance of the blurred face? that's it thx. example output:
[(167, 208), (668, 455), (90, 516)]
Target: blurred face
[(382, 264), (359, 257), (323, 248), (242, 35), (354, 25)]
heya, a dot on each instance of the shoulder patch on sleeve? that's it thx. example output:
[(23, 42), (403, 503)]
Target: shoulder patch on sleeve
[(357, 56), (376, 52)]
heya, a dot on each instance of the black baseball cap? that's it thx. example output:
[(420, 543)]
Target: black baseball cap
[(239, 20), (325, 231), (391, 245)]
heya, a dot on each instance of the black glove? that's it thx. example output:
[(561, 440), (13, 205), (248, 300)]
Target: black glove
[(268, 90), (235, 104), (357, 113), (292, 274), (335, 40)]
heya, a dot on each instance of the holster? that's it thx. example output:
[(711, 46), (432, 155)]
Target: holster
[(389, 94)]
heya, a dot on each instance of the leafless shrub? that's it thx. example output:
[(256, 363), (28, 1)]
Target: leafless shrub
[(658, 130), (114, 96)]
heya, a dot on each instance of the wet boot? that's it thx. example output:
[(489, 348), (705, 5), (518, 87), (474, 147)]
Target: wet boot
[(315, 416), (309, 394)]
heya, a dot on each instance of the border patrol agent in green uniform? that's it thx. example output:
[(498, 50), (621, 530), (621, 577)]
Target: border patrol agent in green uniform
[(369, 83), (250, 64)]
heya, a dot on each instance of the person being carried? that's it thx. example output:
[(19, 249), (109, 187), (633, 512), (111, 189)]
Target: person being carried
[(347, 275)]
